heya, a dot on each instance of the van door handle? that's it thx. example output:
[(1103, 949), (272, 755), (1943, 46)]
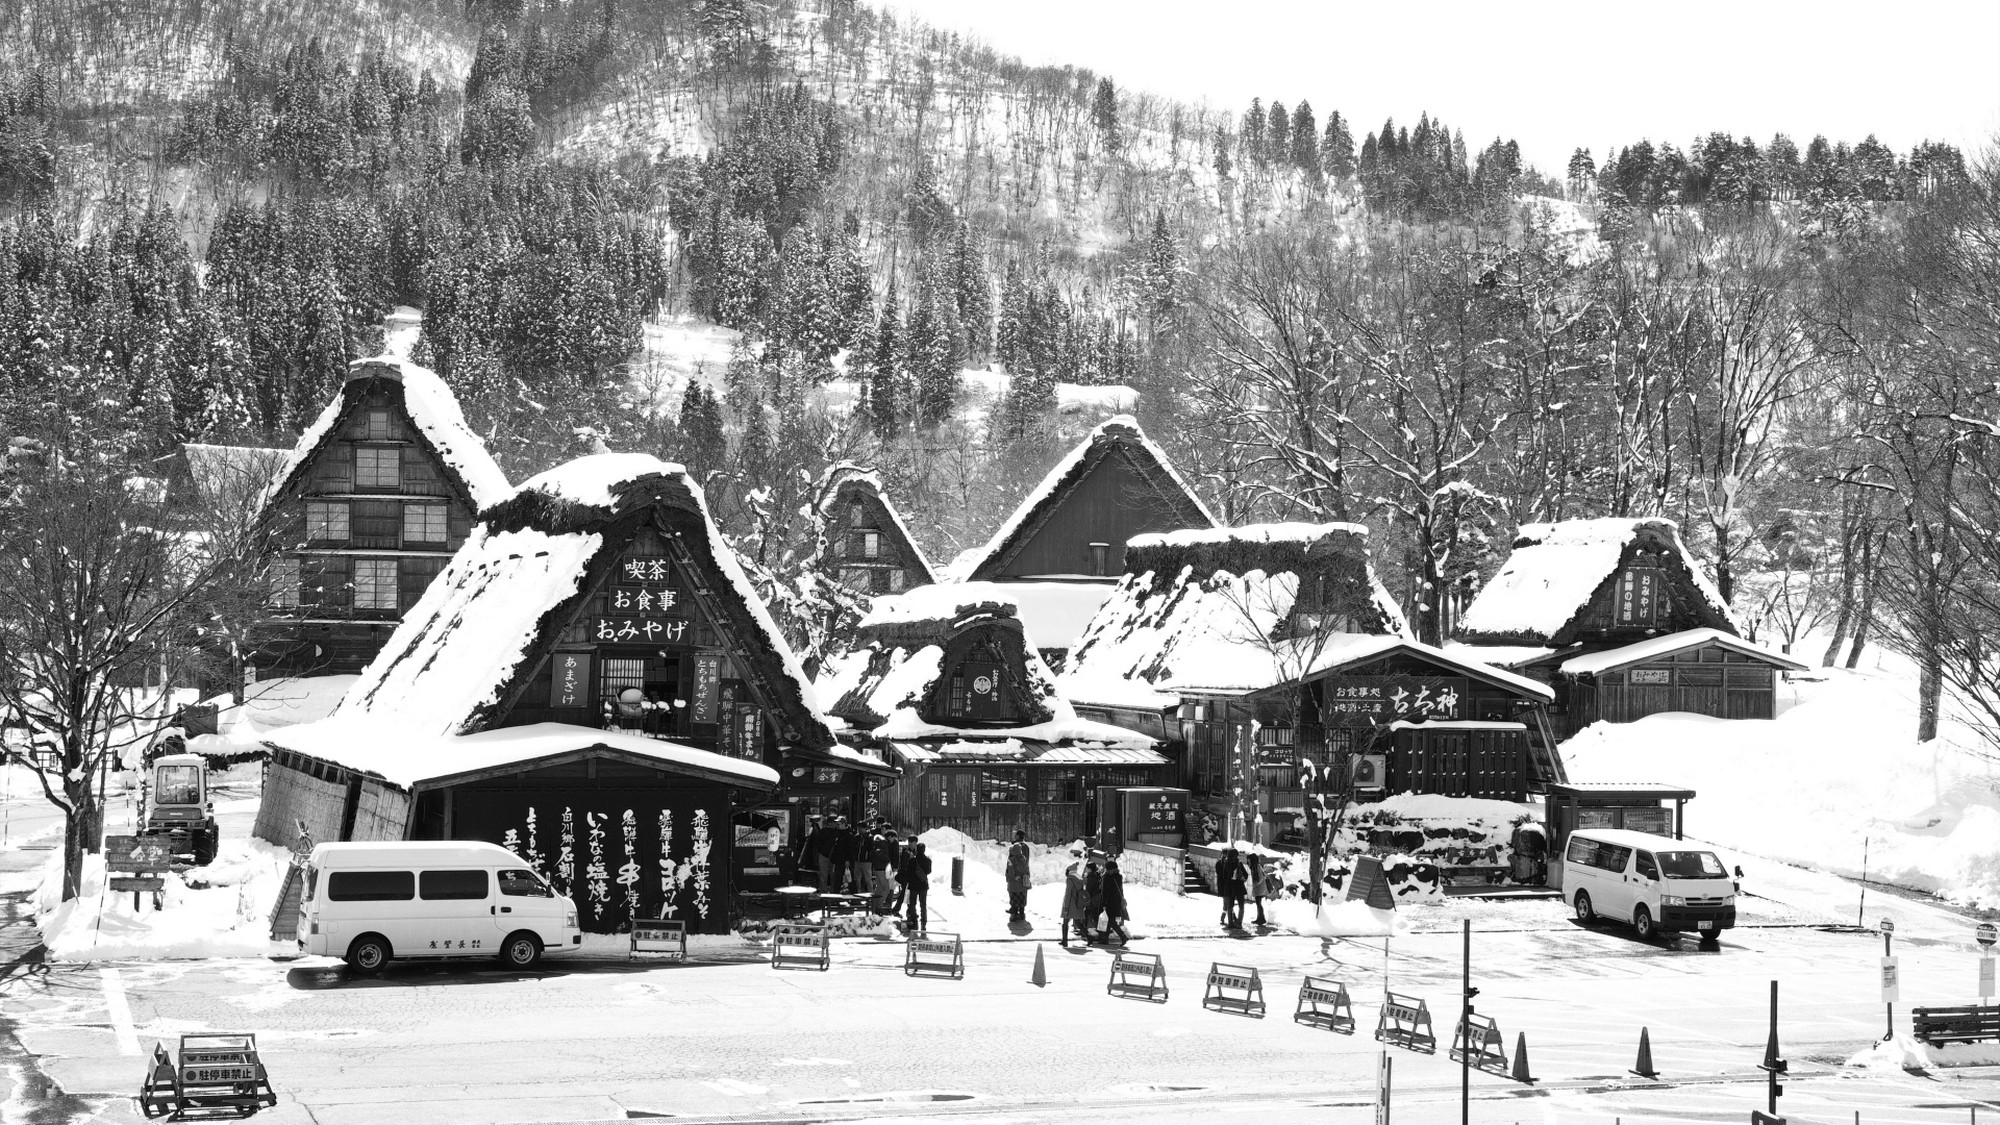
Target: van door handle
[(506, 910)]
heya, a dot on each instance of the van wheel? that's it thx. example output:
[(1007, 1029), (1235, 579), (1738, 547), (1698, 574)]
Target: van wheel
[(1584, 913), (1642, 921), (521, 950), (368, 953)]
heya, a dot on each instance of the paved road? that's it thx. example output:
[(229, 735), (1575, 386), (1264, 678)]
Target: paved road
[(729, 1039)]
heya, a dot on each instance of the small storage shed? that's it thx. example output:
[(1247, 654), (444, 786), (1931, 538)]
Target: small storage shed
[(1705, 671)]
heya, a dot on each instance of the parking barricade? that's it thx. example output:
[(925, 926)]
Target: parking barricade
[(219, 1075), (800, 947), (1138, 975), (1323, 1003), (662, 935), (1233, 988), (934, 953), (1477, 1039), (1406, 1022)]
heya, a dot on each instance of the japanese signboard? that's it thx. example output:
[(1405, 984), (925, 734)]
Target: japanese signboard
[(1383, 699), (1638, 594), (652, 572), (1891, 978), (643, 603), (569, 683), (1986, 977), (1658, 821), (707, 686), (1652, 676), (137, 854), (639, 630), (1163, 812)]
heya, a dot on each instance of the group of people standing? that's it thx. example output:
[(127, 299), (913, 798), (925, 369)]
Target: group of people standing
[(1093, 893), (1239, 880), (873, 860)]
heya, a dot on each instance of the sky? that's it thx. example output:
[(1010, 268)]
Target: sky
[(1552, 74)]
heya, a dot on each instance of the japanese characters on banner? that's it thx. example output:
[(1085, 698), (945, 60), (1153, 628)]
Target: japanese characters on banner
[(1384, 699), (648, 571), (642, 606), (570, 686), (611, 886), (707, 687), (639, 630), (1637, 593)]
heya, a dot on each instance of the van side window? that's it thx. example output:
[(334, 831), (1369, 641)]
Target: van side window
[(452, 884), (1612, 857), (370, 886), (1647, 868), (524, 884), (1582, 852)]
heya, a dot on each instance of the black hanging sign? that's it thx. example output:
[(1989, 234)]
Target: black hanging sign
[(707, 686), (639, 630), (569, 686)]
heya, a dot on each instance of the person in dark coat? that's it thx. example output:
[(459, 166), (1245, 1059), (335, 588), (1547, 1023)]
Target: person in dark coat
[(804, 849), (1018, 877), (844, 852), (1093, 897), (1115, 911), (1231, 879), (1257, 878), (882, 846), (1074, 899), (914, 873)]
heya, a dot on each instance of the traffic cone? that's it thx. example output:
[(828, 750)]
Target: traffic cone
[(1040, 977), (1521, 1074), (1644, 1067)]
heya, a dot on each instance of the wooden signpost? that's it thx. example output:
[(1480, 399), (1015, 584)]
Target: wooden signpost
[(661, 935), (1323, 1003), (1233, 988), (137, 864), (1406, 1023), (934, 953), (1137, 975), (1477, 1040), (800, 947)]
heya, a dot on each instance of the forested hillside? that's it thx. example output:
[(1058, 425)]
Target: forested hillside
[(901, 248)]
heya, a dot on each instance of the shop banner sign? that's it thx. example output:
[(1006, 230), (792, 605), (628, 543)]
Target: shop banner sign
[(570, 685), (651, 572), (639, 630), (1385, 699), (707, 686), (1637, 590), (1163, 813)]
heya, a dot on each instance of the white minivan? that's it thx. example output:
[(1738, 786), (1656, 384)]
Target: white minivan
[(367, 903), (1659, 884)]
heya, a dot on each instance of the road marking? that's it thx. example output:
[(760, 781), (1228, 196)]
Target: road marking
[(733, 1087), (120, 1012)]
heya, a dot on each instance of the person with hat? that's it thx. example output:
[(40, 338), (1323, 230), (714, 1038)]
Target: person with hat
[(1018, 877), (1074, 897)]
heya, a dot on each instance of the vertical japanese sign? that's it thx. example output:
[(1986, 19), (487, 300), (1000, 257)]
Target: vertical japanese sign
[(1637, 592), (570, 684), (707, 686)]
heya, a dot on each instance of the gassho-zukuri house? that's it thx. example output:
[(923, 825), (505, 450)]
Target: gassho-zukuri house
[(1063, 549), (363, 513), (1616, 616), (1279, 637), (592, 682), (946, 683)]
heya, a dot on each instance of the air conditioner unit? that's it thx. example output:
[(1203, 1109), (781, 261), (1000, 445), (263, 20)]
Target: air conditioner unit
[(1368, 771)]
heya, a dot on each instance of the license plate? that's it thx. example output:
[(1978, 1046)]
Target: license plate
[(1704, 925)]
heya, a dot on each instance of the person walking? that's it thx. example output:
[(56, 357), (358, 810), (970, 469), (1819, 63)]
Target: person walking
[(864, 858), (1093, 897), (1115, 910), (1230, 879), (1073, 897), (914, 873), (882, 859), (1018, 879), (844, 852)]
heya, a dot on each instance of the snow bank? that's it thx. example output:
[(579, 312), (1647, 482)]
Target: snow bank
[(1336, 918), (1905, 1053), (1849, 774), (222, 910)]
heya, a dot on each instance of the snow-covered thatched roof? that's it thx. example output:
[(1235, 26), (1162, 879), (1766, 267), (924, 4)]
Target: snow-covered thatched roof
[(1116, 435), (434, 411), (1653, 648), (892, 677), (1557, 569), (467, 649), (1222, 611)]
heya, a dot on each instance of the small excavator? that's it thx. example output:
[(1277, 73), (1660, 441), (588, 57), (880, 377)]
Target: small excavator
[(178, 808)]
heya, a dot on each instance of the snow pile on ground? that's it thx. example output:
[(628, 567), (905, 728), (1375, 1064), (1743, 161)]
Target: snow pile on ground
[(222, 910), (1906, 1053), (1336, 918), (1849, 773)]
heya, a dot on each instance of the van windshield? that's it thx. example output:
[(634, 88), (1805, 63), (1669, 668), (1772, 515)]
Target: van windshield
[(1692, 865)]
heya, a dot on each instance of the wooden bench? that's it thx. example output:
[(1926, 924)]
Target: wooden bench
[(1964, 1023)]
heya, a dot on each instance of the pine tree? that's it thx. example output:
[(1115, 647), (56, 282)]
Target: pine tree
[(928, 351), (753, 448), (1222, 163), (1336, 150), (1104, 112), (1161, 274), (972, 292), (702, 442), (887, 402), (1278, 134), (1305, 141), (1253, 131), (1582, 171)]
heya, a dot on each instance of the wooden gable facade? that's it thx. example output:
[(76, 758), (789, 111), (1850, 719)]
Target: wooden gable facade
[(1115, 485), (866, 546), (366, 516)]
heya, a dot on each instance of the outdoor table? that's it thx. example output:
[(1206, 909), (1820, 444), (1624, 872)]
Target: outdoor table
[(831, 899), (795, 899)]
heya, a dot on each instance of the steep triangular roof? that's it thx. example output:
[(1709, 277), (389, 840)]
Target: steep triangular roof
[(1557, 569), (848, 483), (1117, 437), (431, 407), (466, 651)]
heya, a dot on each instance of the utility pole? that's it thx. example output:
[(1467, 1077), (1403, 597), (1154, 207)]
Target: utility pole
[(1465, 1032), (1772, 1066)]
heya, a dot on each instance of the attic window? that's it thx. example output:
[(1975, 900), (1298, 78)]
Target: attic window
[(871, 544), (1100, 559), (375, 427), (855, 515)]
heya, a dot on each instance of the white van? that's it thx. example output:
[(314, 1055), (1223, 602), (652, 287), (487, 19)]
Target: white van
[(1659, 884), (367, 903)]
